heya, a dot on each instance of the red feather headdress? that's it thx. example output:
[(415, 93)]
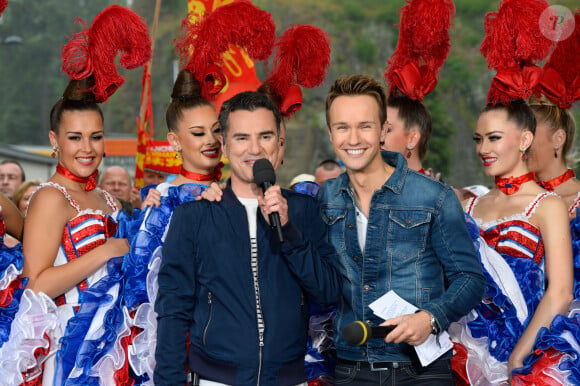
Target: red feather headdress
[(302, 58), (422, 48), (3, 5), (560, 80), (513, 43), (92, 51), (201, 45)]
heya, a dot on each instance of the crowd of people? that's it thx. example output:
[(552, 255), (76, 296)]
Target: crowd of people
[(198, 281)]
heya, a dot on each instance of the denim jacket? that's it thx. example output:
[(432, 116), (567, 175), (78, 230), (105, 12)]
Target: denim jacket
[(417, 244)]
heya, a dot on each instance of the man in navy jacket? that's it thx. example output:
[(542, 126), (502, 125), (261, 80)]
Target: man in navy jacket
[(227, 279)]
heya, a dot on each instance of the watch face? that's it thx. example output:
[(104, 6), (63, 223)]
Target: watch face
[(434, 328)]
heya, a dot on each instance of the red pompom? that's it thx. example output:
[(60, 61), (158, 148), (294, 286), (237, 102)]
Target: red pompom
[(512, 35), (423, 42), (93, 51), (203, 43), (302, 57), (3, 5), (561, 80)]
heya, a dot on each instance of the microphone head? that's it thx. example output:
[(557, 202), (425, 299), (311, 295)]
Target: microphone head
[(356, 333), (263, 172)]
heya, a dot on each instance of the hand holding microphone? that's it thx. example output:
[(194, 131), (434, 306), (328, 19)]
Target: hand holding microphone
[(275, 205), (358, 333)]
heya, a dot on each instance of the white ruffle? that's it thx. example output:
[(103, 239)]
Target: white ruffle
[(482, 368), (35, 326), (10, 274), (142, 351), (504, 278)]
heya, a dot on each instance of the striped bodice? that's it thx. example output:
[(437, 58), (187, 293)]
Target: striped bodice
[(81, 234), (514, 235)]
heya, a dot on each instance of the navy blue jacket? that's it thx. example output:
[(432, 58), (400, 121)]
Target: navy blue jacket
[(206, 286)]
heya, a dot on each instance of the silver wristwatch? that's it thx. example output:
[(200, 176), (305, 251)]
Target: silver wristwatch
[(434, 325)]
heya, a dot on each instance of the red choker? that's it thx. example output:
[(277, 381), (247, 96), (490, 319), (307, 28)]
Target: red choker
[(90, 181), (551, 184), (215, 176), (511, 185)]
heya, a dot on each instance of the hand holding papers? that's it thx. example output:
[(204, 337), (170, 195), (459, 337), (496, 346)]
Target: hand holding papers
[(392, 305)]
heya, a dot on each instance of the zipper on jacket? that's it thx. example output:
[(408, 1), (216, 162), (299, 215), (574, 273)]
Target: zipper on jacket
[(209, 301), (260, 358)]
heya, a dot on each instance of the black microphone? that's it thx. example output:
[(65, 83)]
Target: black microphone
[(264, 177), (357, 332)]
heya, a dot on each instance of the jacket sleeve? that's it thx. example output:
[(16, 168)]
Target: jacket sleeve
[(456, 253), (175, 300), (309, 256)]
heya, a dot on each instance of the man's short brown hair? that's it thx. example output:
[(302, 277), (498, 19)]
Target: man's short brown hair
[(357, 84)]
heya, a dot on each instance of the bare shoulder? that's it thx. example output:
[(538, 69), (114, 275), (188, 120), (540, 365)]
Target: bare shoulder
[(48, 200), (551, 208)]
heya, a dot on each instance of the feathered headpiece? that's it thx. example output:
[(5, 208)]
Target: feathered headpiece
[(560, 80), (422, 48), (3, 5), (513, 43), (92, 51), (302, 57), (201, 44)]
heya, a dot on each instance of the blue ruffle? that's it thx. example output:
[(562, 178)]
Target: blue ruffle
[(128, 226), (308, 188), (473, 230), (496, 314), (552, 338), (149, 237), (575, 233), (75, 351), (10, 256)]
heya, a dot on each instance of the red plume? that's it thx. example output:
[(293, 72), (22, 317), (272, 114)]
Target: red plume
[(93, 51), (561, 79), (302, 57), (239, 23), (422, 48), (512, 44), (3, 5), (513, 36)]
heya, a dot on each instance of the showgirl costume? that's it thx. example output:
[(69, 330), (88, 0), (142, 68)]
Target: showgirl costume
[(80, 338), (574, 225), (76, 339), (141, 267), (560, 84), (512, 258), (511, 249), (11, 284)]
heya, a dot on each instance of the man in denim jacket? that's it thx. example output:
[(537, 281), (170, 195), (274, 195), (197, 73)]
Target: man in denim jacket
[(394, 229)]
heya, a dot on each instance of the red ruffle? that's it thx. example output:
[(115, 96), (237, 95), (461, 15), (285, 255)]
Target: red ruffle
[(511, 84), (414, 82)]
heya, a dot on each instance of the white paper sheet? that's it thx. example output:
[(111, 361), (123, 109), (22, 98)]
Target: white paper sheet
[(391, 305)]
